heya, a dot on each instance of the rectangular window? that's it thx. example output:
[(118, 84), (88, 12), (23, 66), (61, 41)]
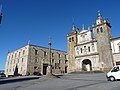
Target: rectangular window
[(15, 55), (36, 52), (59, 55), (22, 59), (12, 56), (23, 52), (19, 53), (45, 53), (18, 60), (119, 48), (52, 60), (9, 70), (36, 60), (85, 50), (53, 54), (8, 62), (89, 49), (81, 50), (59, 61), (66, 61)]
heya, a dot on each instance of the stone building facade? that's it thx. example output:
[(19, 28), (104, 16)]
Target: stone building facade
[(32, 59), (93, 50)]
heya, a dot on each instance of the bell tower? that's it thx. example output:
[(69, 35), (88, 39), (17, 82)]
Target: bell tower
[(102, 33), (71, 42)]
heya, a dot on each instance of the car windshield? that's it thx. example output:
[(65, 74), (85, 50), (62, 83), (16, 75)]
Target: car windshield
[(115, 69)]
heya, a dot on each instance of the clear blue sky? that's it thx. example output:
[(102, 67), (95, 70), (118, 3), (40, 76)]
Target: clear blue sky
[(36, 20)]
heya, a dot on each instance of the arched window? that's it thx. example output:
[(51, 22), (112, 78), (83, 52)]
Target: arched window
[(101, 29), (69, 39), (97, 30)]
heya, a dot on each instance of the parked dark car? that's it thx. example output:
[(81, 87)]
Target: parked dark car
[(15, 75), (2, 75), (37, 74)]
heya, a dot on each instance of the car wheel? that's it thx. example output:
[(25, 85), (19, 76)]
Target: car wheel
[(111, 78)]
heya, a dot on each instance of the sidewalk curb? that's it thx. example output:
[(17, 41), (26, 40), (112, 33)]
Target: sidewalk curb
[(18, 79)]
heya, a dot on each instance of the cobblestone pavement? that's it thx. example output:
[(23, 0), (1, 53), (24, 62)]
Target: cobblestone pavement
[(87, 81)]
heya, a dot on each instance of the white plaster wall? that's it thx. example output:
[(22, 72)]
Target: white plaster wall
[(84, 36), (115, 45), (93, 49), (14, 59), (116, 57)]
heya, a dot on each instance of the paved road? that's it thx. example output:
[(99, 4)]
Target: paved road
[(96, 81)]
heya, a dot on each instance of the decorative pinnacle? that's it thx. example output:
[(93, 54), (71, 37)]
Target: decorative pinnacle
[(99, 14), (88, 27), (29, 42), (73, 25), (82, 26)]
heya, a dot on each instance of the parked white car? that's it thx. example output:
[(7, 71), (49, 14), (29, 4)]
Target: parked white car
[(114, 73)]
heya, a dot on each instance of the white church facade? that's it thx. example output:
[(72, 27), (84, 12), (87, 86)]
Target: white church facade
[(93, 50)]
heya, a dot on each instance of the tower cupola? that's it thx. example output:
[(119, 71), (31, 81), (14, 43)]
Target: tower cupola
[(99, 15), (99, 19), (73, 27)]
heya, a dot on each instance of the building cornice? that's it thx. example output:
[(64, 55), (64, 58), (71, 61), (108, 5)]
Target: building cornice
[(17, 49), (94, 26), (117, 53), (47, 48), (35, 46), (115, 38), (87, 55), (92, 41), (72, 33), (84, 32)]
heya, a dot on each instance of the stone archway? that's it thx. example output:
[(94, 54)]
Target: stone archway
[(86, 65)]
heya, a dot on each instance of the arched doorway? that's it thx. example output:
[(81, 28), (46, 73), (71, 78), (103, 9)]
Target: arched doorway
[(86, 65)]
